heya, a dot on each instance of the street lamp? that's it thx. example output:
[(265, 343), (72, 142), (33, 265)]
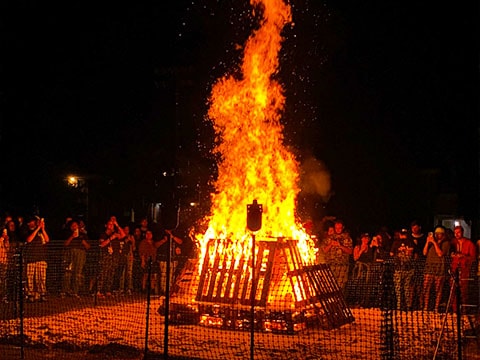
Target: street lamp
[(72, 181)]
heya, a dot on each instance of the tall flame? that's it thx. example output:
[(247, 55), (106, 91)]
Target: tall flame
[(254, 163)]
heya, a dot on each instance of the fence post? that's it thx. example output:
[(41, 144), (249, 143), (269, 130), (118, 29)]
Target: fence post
[(387, 306), (147, 316), (167, 296), (21, 300), (458, 294)]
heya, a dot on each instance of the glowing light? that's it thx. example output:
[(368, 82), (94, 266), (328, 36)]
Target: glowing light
[(72, 181)]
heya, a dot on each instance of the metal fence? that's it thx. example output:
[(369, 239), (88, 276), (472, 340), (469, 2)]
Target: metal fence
[(379, 315)]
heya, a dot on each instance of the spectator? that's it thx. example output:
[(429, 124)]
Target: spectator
[(127, 246), (362, 272), (82, 227), (402, 252), (320, 255), (435, 249), (137, 269), (462, 260), (112, 233), (144, 227), (21, 225), (381, 251), (36, 240), (15, 244), (4, 251), (65, 231), (163, 247), (148, 255), (75, 247), (338, 249), (419, 239)]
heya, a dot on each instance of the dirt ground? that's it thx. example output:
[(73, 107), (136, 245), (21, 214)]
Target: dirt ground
[(109, 352), (115, 329)]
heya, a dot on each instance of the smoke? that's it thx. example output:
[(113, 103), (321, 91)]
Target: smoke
[(315, 178)]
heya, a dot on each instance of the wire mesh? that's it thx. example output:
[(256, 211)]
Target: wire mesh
[(374, 317)]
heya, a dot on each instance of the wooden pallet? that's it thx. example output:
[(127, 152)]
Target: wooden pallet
[(282, 282)]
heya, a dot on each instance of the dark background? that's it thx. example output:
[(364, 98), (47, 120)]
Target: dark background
[(385, 94)]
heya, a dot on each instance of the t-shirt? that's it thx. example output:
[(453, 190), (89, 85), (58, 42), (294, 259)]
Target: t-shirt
[(434, 264), (147, 249), (36, 250), (336, 255)]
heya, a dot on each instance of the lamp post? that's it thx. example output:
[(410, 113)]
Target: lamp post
[(254, 223)]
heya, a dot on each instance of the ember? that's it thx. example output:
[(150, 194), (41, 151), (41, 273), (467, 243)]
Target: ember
[(255, 164)]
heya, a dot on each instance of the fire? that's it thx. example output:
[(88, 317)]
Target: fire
[(254, 163)]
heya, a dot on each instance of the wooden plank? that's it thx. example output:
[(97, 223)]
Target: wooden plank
[(272, 248), (204, 274)]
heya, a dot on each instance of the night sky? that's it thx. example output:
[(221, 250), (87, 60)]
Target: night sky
[(385, 94)]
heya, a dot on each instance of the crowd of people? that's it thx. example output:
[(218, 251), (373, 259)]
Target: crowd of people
[(424, 264), (120, 259)]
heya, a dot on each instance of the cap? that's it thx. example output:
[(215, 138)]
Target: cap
[(364, 234), (439, 229), (404, 231)]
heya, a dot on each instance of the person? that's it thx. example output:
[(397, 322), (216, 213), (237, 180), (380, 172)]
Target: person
[(379, 246), (337, 250), (75, 256), (463, 259), (4, 252), (163, 247), (137, 269), (478, 270), (402, 253), (147, 252), (36, 240), (21, 225), (144, 227), (361, 278), (64, 231), (6, 220), (127, 248), (320, 252), (419, 239), (15, 246), (436, 249), (82, 227), (113, 232)]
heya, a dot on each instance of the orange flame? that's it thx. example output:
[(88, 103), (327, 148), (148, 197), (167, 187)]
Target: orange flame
[(254, 163)]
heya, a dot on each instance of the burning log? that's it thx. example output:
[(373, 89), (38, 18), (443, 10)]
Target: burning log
[(289, 296)]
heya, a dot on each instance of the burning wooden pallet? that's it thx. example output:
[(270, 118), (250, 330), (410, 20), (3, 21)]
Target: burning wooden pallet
[(288, 295)]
